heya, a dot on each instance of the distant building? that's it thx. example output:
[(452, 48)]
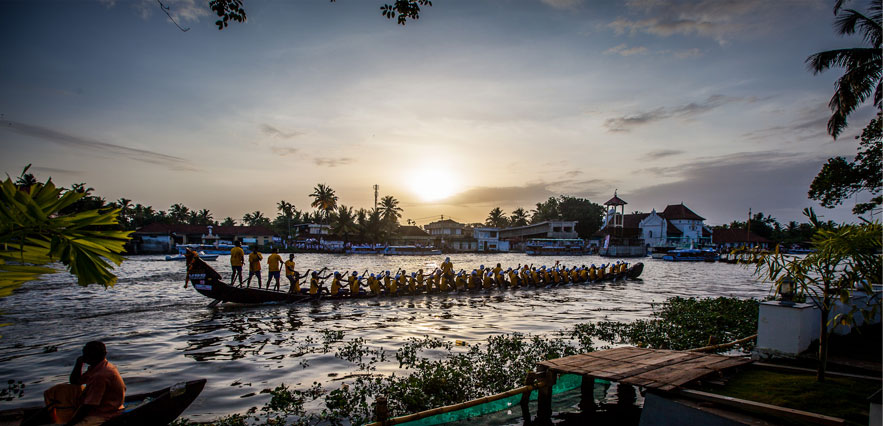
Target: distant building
[(676, 226), (488, 239), (411, 235), (558, 229), (736, 238), (312, 230), (446, 228), (163, 238)]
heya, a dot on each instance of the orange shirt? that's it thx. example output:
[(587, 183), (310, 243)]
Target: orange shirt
[(254, 261), (104, 389), (275, 262), (237, 256)]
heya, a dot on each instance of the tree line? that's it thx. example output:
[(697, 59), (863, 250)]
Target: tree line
[(587, 214)]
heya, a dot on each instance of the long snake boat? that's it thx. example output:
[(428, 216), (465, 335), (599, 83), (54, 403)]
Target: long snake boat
[(156, 408), (208, 283)]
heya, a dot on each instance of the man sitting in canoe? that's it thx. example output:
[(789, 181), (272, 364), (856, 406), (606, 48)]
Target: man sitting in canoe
[(92, 397)]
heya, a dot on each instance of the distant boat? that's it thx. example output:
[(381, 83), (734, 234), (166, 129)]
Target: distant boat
[(556, 247), (691, 255), (411, 251), (201, 256), (363, 249)]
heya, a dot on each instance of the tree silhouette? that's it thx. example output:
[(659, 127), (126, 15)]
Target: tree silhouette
[(233, 11), (862, 75), (324, 199), (519, 217), (497, 218)]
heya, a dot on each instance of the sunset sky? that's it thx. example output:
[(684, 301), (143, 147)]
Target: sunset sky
[(479, 103)]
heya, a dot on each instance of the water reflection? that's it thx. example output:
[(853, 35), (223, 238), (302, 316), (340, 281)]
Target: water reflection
[(158, 332)]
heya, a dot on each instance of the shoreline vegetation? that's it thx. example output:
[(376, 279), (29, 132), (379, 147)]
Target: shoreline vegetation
[(436, 372)]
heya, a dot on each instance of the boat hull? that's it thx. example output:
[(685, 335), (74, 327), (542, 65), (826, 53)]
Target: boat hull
[(208, 282), (156, 408)]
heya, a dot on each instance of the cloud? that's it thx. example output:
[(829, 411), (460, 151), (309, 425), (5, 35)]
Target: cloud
[(332, 162), (283, 150), (683, 54), (54, 170), (563, 4), (624, 50), (723, 188), (503, 195), (276, 133), (719, 20), (95, 146), (629, 122), (661, 153)]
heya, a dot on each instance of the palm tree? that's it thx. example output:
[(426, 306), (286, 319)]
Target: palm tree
[(179, 213), (125, 206), (324, 199), (287, 210), (390, 210), (862, 76), (497, 218), (519, 217), (204, 217), (228, 221), (255, 218), (343, 222)]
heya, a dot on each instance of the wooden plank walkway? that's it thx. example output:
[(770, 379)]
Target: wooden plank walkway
[(651, 368)]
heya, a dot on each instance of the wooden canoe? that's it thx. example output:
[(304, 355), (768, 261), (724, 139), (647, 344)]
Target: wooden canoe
[(208, 282), (156, 408)]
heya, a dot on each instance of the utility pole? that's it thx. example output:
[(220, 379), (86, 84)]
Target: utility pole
[(376, 190)]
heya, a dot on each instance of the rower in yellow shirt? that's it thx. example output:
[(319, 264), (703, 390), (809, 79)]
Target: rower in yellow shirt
[(237, 258), (316, 282), (274, 262), (374, 285), (289, 270), (254, 266), (447, 268)]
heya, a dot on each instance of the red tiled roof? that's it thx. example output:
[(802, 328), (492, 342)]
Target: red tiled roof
[(680, 211), (162, 228), (724, 236), (632, 220), (444, 223), (671, 230), (615, 201), (411, 231)]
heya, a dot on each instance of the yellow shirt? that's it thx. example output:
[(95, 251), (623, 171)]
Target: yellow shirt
[(289, 268), (354, 285), (335, 286), (254, 261), (374, 285), (237, 256), (275, 262), (447, 267), (296, 285), (314, 286)]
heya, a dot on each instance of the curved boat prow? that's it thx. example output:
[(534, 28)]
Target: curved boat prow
[(635, 271)]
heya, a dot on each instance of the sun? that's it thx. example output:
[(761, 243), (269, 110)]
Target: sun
[(432, 184)]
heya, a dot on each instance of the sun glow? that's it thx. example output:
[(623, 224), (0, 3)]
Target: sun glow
[(432, 184)]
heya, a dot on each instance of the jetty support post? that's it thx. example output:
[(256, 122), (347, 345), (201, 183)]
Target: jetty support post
[(625, 394), (525, 398), (544, 395), (381, 410), (587, 398)]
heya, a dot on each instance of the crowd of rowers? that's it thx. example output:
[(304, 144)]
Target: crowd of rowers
[(441, 279)]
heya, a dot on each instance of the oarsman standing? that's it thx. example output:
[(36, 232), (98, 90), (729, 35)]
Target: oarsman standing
[(289, 270), (237, 258), (274, 262), (254, 266)]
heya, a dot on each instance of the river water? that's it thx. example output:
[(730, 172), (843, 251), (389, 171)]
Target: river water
[(159, 333)]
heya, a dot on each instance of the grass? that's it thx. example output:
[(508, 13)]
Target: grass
[(841, 397)]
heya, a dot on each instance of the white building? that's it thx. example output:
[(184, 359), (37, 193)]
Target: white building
[(676, 226), (489, 239)]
